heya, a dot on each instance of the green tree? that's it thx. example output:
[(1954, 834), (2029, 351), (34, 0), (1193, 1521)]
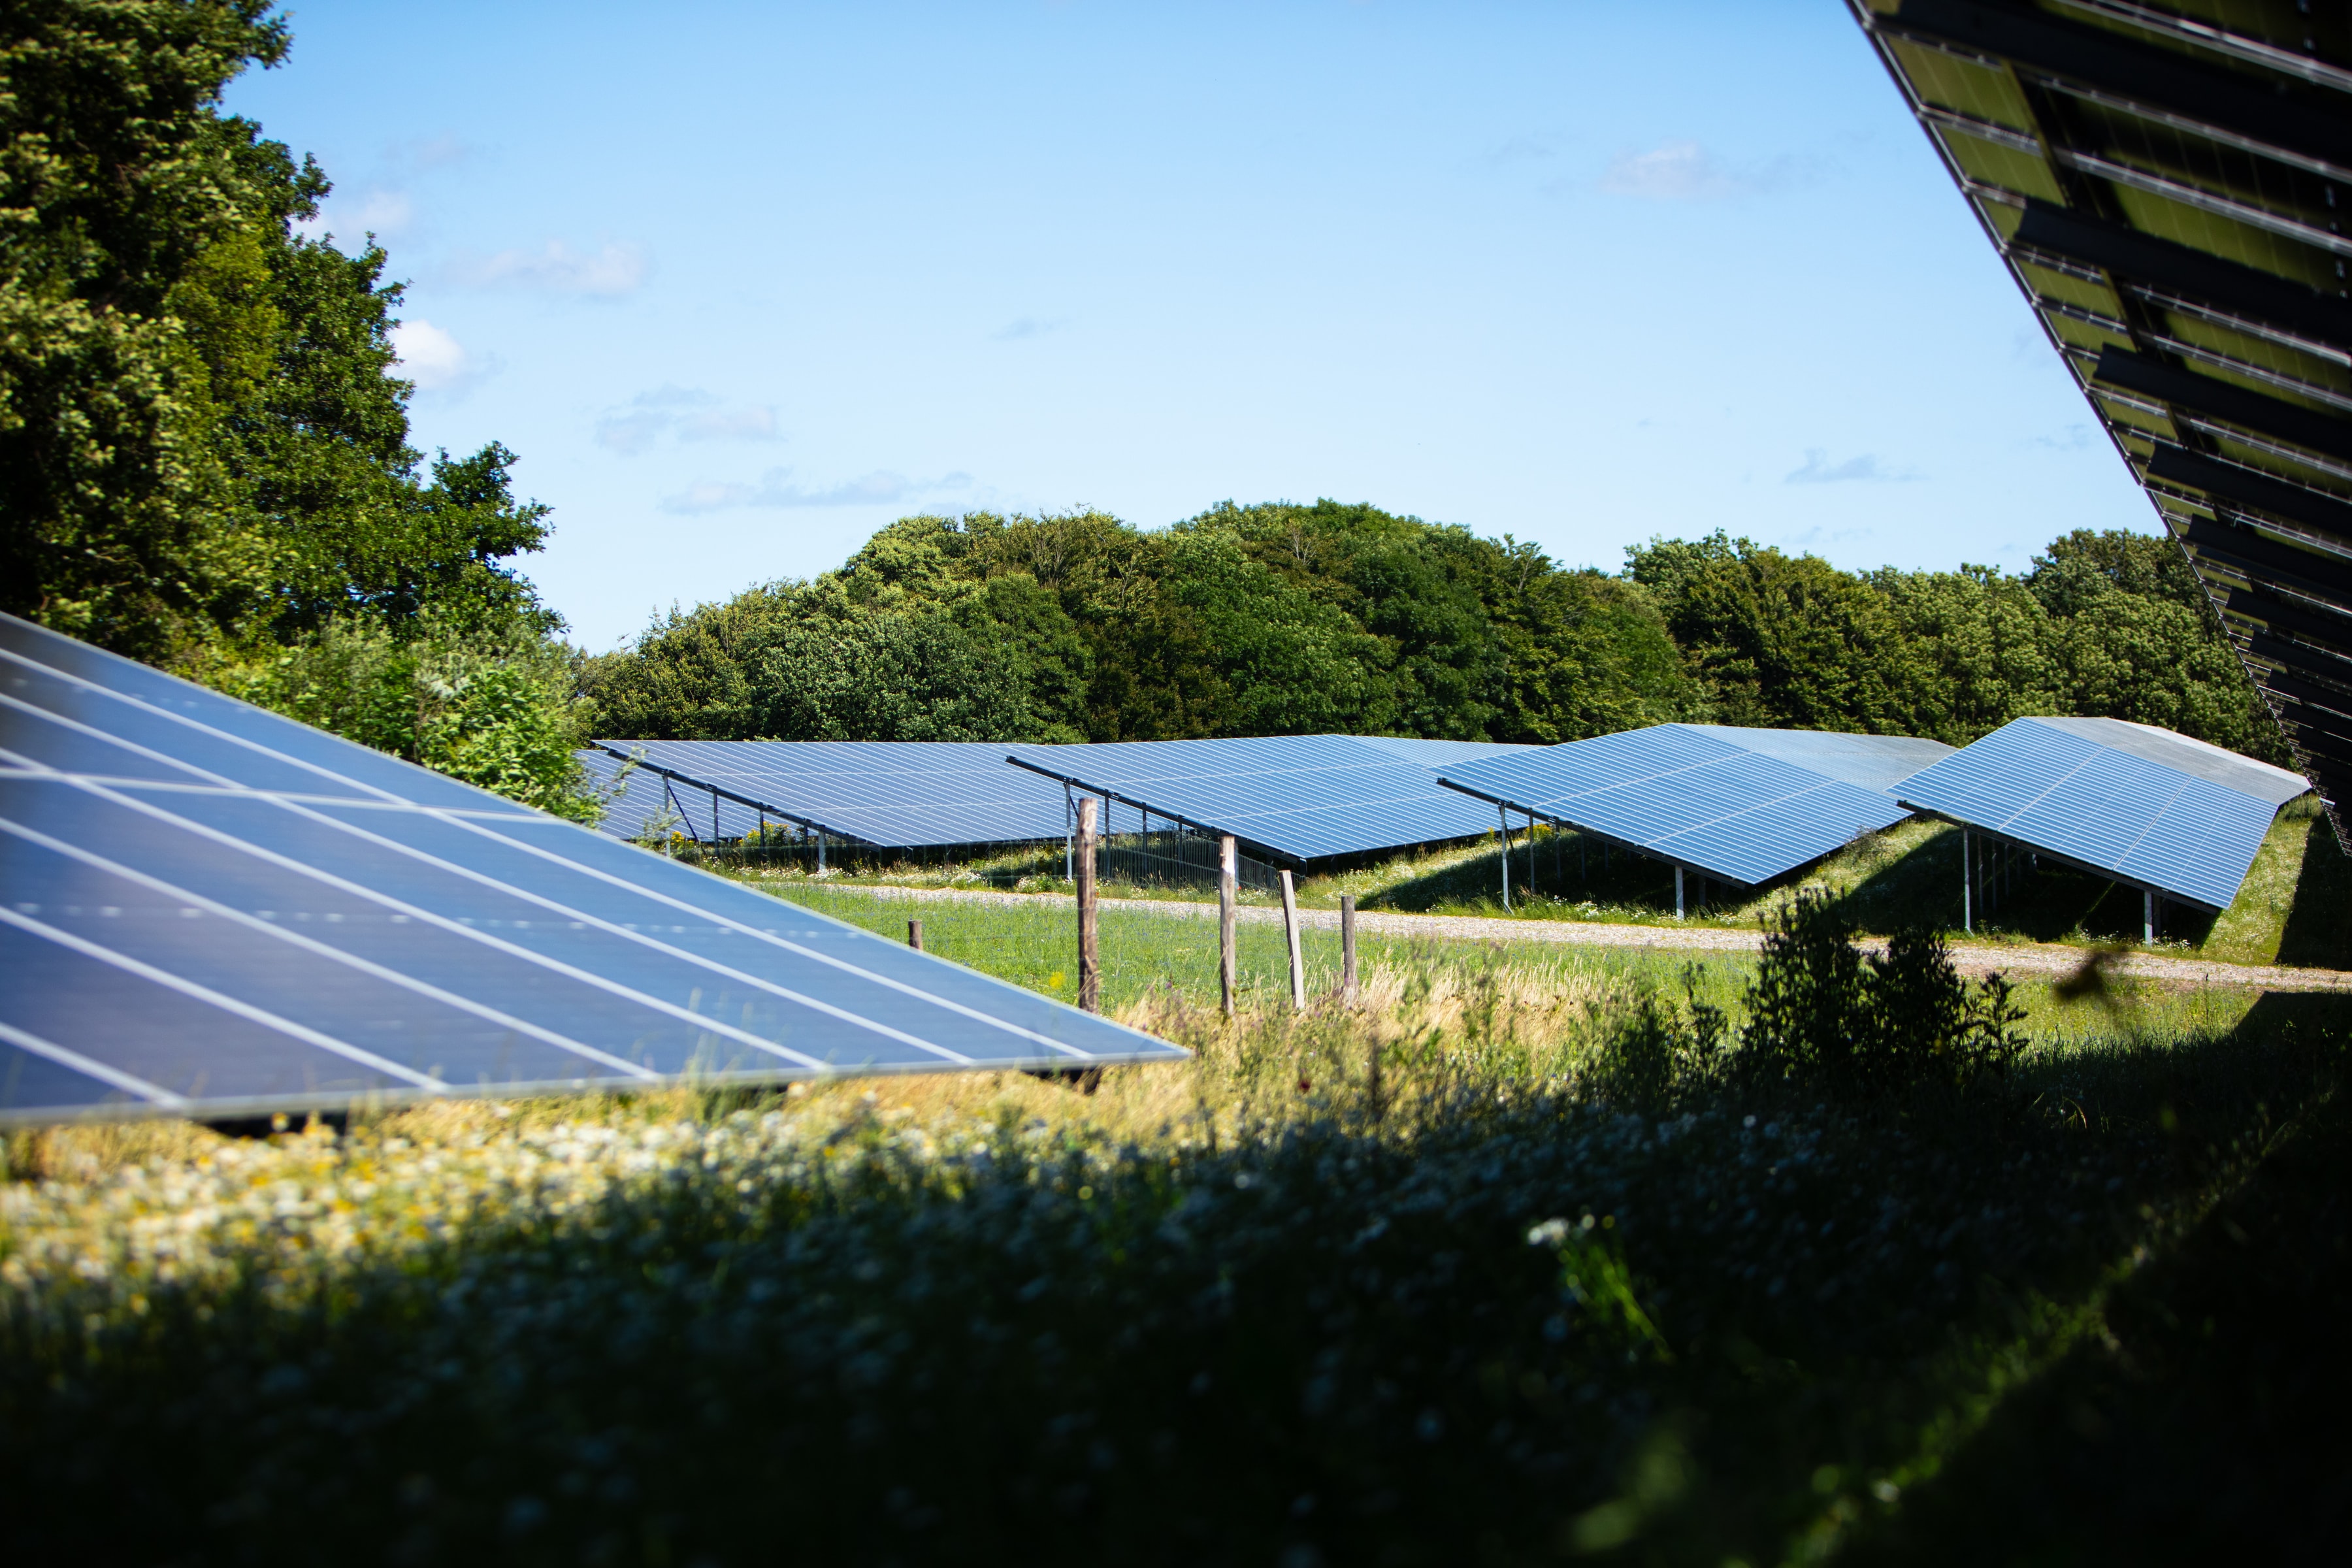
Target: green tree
[(203, 456), (1783, 640)]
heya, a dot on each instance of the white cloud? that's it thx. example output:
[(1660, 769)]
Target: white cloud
[(633, 429), (729, 425), (556, 269), (775, 488), (1820, 470), (1681, 169), (629, 434), (431, 358), (380, 210)]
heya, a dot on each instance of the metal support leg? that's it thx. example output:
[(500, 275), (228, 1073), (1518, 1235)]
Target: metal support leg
[(1504, 818), (1968, 891), (1678, 892), (2147, 916)]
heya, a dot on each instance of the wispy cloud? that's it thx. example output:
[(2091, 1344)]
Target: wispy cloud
[(607, 273), (1518, 149), (1820, 470), (776, 488), (380, 210), (433, 359), (428, 151), (1027, 327), (1683, 170), (729, 425), (668, 408)]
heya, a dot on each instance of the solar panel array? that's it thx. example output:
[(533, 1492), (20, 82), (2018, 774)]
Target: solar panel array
[(2139, 805), (210, 910), (1286, 798), (1744, 805), (897, 794)]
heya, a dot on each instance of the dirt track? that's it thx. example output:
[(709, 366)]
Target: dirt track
[(2017, 960)]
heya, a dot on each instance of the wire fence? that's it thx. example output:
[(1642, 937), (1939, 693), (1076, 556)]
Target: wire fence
[(1177, 859)]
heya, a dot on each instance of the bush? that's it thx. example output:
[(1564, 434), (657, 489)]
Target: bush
[(497, 709), (1823, 1014)]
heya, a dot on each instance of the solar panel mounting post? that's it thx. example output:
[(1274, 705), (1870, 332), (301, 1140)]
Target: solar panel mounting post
[(1227, 876), (1503, 816), (2147, 916), (1968, 905), (1678, 891), (1290, 937), (1348, 947), (1089, 951)]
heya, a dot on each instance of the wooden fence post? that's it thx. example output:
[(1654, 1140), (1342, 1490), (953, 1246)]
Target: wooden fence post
[(1228, 878), (1089, 951), (915, 935), (1348, 947), (1291, 934)]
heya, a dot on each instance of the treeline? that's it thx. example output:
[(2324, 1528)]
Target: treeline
[(203, 454), (1288, 620)]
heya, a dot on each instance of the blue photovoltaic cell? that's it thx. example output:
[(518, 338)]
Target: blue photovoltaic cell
[(2142, 804), (1744, 805), (639, 801), (895, 794), (208, 911), (1292, 797)]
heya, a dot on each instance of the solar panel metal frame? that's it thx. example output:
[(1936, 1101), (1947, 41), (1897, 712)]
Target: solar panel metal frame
[(2154, 183), (169, 848), (1505, 781), (1117, 771), (1948, 790)]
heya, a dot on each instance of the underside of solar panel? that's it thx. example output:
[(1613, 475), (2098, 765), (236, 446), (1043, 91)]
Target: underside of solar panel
[(2168, 187), (211, 911)]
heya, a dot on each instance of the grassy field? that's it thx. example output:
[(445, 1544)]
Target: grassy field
[(1509, 1263), (2296, 907)]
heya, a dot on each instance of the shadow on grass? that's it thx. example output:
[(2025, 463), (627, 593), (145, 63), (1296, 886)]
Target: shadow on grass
[(2206, 1425), (2319, 923), (1563, 873)]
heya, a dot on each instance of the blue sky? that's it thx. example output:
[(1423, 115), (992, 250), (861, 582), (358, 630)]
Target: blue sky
[(743, 283)]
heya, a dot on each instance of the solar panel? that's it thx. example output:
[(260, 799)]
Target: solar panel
[(643, 805), (1289, 798), (901, 795), (1743, 806), (212, 910), (2136, 804)]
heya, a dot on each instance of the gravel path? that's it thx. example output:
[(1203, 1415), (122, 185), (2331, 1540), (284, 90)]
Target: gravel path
[(2016, 959)]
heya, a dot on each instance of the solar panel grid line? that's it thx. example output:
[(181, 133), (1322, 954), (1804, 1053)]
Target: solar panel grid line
[(74, 943), (474, 933), (803, 950), (333, 954), (645, 939), (210, 713), (154, 1094), (10, 656)]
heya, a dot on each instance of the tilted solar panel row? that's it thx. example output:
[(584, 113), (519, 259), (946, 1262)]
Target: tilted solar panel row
[(1293, 798), (899, 795), (1741, 806), (2138, 805), (211, 910)]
